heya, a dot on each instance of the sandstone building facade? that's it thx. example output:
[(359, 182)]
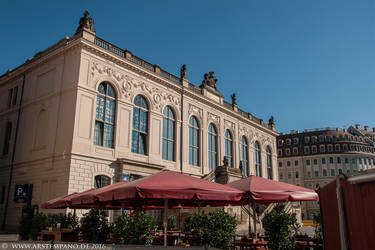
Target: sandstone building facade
[(84, 113), (314, 157)]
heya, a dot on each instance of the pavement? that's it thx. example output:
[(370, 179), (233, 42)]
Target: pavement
[(22, 245)]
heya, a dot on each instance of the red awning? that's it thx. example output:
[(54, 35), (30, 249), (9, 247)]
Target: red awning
[(64, 201), (88, 197), (265, 191), (180, 190)]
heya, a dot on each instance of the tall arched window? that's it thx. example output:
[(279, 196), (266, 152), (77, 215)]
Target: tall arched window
[(269, 163), (258, 167), (212, 149), (193, 141), (101, 181), (244, 156), (168, 134), (105, 115), (229, 148), (140, 125)]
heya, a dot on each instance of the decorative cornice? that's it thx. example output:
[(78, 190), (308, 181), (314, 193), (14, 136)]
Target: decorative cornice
[(195, 110), (130, 86)]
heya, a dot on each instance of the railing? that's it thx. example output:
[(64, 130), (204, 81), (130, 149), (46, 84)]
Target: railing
[(322, 129), (105, 45), (120, 52), (148, 66)]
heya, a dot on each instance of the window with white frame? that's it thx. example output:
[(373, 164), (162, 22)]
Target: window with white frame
[(105, 116)]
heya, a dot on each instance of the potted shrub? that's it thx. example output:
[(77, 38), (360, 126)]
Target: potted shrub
[(137, 228), (281, 229), (94, 226)]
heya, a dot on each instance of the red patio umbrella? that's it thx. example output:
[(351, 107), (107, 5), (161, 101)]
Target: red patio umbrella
[(171, 189), (88, 197), (64, 201), (265, 191)]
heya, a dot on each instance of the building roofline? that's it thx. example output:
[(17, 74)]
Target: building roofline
[(125, 54)]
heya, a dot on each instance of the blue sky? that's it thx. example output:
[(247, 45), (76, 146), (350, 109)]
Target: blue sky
[(309, 63)]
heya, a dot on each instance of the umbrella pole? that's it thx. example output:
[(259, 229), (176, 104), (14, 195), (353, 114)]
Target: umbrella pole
[(165, 221), (254, 219)]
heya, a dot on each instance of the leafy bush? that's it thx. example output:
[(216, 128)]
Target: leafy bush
[(38, 223), (66, 220), (31, 225), (215, 229), (94, 226), (318, 229), (197, 223), (137, 228), (172, 222), (281, 228), (25, 226)]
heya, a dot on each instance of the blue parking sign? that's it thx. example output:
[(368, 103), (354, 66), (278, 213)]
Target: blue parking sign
[(21, 192)]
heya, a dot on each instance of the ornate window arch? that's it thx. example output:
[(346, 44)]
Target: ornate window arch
[(193, 141), (212, 146), (244, 156), (229, 147), (101, 181), (105, 115), (169, 125), (257, 159), (140, 125), (269, 163)]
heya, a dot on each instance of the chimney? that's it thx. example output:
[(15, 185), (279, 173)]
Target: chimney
[(366, 128), (357, 126)]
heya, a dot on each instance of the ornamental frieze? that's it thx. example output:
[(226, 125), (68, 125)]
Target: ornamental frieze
[(129, 86), (249, 133), (213, 118), (195, 110), (230, 125)]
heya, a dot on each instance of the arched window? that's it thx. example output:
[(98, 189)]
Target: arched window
[(258, 167), (229, 148), (140, 125), (244, 156), (212, 149), (193, 141), (101, 181), (105, 115), (168, 134), (269, 163)]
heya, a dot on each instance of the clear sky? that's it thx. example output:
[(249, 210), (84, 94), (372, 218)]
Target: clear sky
[(310, 63)]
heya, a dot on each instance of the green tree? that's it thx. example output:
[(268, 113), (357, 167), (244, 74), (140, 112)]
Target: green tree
[(281, 228), (38, 223), (318, 228), (172, 222), (94, 226), (215, 229), (137, 228)]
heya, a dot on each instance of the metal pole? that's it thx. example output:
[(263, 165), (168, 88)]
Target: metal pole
[(249, 207), (254, 218), (13, 155), (165, 221)]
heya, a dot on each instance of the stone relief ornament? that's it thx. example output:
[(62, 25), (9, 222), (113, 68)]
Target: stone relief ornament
[(214, 118), (129, 85), (247, 132), (195, 110), (230, 125)]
